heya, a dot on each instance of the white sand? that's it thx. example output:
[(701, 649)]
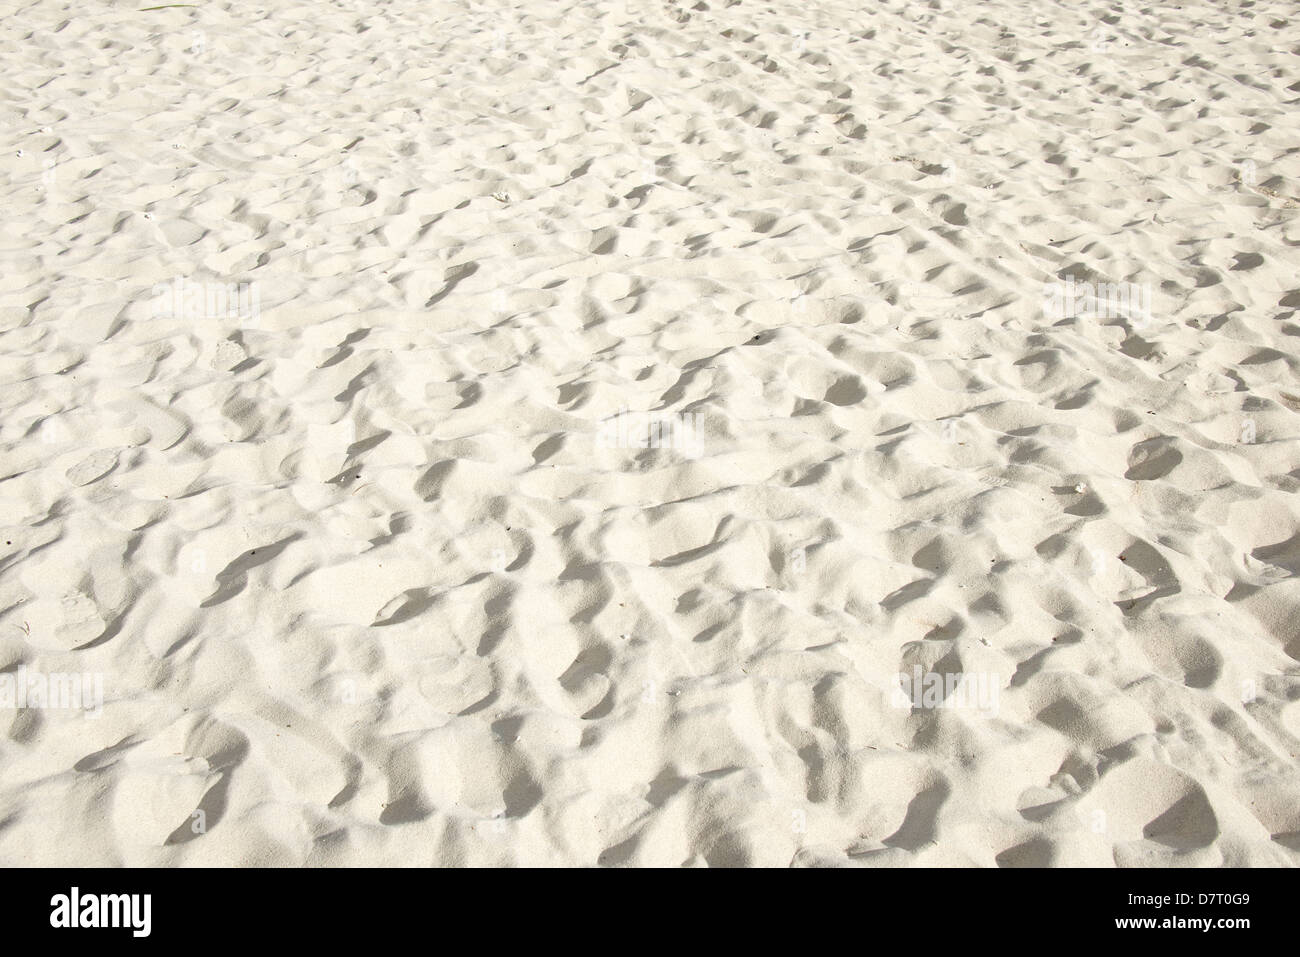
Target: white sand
[(370, 574)]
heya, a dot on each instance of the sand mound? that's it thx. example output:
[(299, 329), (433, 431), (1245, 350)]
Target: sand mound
[(649, 433)]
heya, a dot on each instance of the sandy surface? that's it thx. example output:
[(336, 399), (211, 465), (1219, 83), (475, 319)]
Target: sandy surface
[(568, 433)]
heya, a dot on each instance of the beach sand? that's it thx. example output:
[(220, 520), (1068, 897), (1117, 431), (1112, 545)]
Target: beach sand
[(651, 434)]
